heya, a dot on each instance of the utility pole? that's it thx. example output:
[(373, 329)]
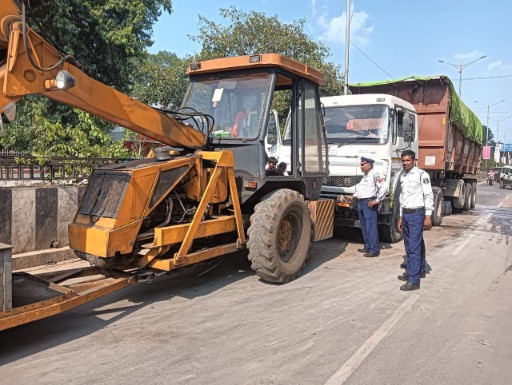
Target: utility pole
[(487, 124), (347, 46), (498, 126), (460, 67), (488, 107)]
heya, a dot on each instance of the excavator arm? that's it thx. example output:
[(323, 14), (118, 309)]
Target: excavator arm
[(30, 67)]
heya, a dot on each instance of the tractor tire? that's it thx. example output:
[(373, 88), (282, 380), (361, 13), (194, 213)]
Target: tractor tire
[(437, 214), (279, 236)]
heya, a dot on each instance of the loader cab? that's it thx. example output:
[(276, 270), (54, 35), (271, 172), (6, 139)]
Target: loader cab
[(244, 98)]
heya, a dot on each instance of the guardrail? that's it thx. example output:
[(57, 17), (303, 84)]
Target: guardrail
[(26, 167)]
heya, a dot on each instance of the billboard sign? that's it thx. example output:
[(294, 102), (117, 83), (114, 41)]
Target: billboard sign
[(506, 147), (486, 152)]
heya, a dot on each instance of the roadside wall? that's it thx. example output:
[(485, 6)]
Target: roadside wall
[(37, 218)]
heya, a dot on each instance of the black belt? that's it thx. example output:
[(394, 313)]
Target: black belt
[(367, 199), (412, 211)]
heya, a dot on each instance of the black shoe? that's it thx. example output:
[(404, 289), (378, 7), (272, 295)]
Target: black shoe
[(370, 255), (410, 286), (405, 276), (403, 265), (363, 250)]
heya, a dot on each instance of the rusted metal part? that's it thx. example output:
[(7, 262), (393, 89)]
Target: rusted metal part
[(36, 298), (203, 255)]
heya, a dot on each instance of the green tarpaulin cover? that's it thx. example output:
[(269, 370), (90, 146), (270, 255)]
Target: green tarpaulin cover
[(461, 115)]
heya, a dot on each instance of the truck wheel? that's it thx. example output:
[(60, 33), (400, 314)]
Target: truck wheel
[(458, 202), (437, 214), (473, 195), (468, 190), (279, 236), (388, 232)]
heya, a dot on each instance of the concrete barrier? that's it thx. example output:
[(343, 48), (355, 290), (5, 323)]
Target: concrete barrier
[(36, 218)]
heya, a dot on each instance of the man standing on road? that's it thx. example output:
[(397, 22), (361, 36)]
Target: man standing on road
[(416, 207), (369, 192)]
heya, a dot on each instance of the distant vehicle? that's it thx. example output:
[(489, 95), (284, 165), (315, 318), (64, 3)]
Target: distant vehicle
[(505, 177)]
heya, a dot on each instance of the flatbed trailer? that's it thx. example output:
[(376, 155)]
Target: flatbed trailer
[(35, 297)]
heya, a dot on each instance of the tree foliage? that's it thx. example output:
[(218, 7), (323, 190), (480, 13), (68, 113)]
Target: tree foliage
[(161, 79), (106, 37), (253, 32)]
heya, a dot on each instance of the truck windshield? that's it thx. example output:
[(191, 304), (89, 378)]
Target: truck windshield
[(236, 103), (357, 124)]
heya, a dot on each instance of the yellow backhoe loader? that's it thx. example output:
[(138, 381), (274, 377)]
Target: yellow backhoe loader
[(204, 195)]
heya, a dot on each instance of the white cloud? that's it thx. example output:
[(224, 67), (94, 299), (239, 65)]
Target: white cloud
[(498, 67), (468, 56), (333, 29)]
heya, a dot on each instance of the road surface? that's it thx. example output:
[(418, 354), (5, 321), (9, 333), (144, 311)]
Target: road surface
[(344, 321)]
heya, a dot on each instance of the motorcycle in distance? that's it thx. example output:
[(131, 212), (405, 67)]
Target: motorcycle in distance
[(490, 178)]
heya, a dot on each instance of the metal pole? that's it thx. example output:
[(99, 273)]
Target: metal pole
[(347, 46), (460, 79), (460, 67)]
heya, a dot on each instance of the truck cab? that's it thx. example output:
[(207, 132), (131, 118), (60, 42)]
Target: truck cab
[(376, 126)]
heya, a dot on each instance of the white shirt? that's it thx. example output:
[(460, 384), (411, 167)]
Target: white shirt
[(416, 191), (372, 185)]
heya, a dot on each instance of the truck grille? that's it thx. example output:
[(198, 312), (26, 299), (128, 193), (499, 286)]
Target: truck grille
[(342, 181)]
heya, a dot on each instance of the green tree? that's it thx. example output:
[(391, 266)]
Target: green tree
[(253, 32), (484, 136), (161, 80), (105, 37)]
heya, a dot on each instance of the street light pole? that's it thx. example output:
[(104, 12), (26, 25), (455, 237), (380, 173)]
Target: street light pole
[(488, 106), (347, 46), (498, 126), (460, 67)]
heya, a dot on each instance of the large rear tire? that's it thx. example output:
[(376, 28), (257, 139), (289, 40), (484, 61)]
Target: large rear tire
[(437, 214), (279, 236), (458, 202), (473, 195), (468, 190)]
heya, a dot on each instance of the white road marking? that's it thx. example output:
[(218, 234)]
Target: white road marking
[(501, 204), (371, 343), (508, 196)]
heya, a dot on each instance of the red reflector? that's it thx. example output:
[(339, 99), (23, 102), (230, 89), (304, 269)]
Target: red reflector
[(250, 184)]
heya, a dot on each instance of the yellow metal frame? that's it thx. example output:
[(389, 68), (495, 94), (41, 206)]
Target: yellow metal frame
[(198, 227)]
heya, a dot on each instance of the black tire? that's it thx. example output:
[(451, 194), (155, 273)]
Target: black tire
[(388, 232), (279, 236), (458, 202), (473, 195), (437, 214), (468, 190)]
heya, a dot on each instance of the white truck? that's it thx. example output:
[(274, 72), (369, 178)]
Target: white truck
[(376, 126)]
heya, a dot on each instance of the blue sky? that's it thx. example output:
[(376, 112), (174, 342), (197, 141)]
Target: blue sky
[(402, 37)]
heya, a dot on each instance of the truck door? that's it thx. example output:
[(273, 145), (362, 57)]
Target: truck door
[(312, 142)]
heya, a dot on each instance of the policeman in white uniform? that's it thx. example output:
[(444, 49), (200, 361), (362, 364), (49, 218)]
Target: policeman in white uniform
[(416, 207), (369, 192)]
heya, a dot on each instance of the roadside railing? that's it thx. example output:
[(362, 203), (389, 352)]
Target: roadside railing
[(26, 167)]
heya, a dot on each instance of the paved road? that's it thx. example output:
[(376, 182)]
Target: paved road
[(345, 321)]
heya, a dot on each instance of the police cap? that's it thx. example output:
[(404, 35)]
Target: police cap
[(365, 160)]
